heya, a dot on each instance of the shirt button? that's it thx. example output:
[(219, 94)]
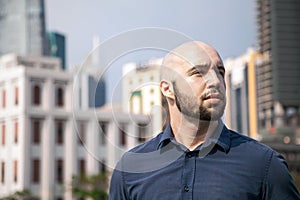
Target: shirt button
[(189, 155), (186, 188)]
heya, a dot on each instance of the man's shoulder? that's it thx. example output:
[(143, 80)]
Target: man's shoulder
[(148, 146), (140, 159), (248, 143)]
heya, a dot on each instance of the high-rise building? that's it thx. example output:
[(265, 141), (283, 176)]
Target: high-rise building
[(278, 76), (241, 109), (57, 47), (90, 89), (90, 81), (22, 29), (45, 139)]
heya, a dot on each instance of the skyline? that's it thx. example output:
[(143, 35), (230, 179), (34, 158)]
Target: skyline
[(48, 114), (228, 26)]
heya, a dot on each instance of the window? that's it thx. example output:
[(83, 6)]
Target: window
[(15, 171), (2, 172), (36, 95), (59, 129), (122, 135), (16, 132), (3, 129), (59, 97), (81, 133), (152, 103), (16, 95), (81, 167), (142, 132), (36, 171), (59, 171), (103, 132), (238, 96), (3, 98), (36, 129), (102, 166)]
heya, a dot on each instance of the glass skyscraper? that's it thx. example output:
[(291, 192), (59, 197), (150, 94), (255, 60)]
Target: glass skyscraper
[(57, 47), (22, 27)]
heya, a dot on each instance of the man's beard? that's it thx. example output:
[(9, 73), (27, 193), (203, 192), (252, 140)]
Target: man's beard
[(188, 106)]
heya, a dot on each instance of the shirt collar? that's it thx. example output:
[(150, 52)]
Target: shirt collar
[(166, 137), (221, 139)]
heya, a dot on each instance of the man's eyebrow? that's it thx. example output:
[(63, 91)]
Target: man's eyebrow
[(197, 68)]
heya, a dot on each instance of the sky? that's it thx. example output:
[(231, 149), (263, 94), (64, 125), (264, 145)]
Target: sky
[(228, 25)]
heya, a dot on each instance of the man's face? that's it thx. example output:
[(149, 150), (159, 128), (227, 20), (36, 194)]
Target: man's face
[(199, 88)]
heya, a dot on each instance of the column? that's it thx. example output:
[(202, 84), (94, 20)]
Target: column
[(132, 135), (84, 94), (25, 158), (91, 146), (70, 157), (112, 145), (47, 160), (47, 145)]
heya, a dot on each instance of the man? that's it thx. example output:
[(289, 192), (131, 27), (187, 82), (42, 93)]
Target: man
[(197, 157)]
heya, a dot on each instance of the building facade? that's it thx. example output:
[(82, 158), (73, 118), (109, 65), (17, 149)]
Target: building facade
[(22, 25), (89, 88), (278, 87), (241, 110), (141, 92), (45, 140)]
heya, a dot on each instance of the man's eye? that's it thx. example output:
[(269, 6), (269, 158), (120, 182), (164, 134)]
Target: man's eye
[(197, 73), (222, 72)]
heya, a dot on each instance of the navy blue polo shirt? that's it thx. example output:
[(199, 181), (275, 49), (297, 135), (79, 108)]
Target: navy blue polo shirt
[(227, 166)]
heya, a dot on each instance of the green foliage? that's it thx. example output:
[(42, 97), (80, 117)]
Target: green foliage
[(94, 186), (296, 177), (20, 195)]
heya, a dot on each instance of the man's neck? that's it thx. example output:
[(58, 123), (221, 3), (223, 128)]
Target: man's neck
[(192, 133)]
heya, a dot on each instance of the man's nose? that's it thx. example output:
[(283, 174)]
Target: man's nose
[(212, 79)]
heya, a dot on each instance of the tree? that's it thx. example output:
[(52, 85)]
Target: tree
[(93, 186), (20, 195)]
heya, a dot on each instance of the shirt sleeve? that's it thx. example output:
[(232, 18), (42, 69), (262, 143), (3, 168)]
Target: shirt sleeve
[(278, 184), (117, 190)]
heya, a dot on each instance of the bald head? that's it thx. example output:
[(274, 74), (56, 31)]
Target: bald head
[(187, 55), (192, 80)]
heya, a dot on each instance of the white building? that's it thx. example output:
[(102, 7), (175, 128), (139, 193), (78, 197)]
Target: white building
[(44, 141), (141, 92)]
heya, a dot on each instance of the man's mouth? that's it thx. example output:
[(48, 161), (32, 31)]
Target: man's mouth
[(213, 96), (213, 99)]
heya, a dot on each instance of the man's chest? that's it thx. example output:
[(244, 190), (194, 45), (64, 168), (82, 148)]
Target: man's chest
[(196, 179)]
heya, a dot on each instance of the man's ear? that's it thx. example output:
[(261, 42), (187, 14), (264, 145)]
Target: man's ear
[(167, 89)]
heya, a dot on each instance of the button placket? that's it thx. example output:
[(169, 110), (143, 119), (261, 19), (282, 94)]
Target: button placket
[(188, 174)]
